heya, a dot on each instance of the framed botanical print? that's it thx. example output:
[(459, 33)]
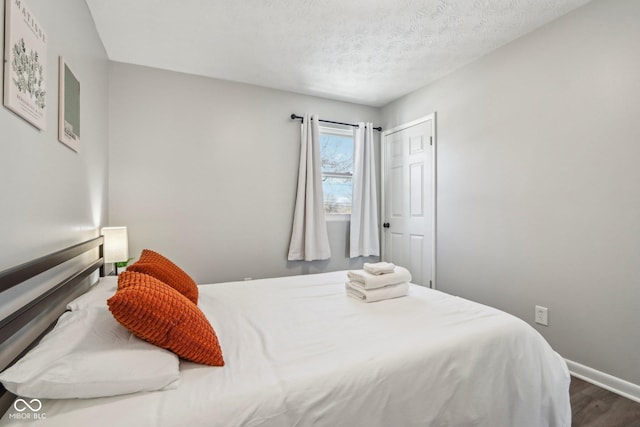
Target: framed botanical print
[(25, 62)]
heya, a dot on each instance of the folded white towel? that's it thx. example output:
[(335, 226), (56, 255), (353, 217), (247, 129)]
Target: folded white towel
[(378, 267), (355, 290), (373, 281)]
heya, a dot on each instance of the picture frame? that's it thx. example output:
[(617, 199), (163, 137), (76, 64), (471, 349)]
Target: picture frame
[(68, 106), (25, 64)]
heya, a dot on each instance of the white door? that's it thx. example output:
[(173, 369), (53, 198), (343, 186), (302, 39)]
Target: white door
[(408, 198)]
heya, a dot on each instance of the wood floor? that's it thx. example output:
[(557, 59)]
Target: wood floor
[(593, 406)]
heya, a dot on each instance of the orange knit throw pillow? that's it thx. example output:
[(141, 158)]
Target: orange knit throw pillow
[(162, 316), (156, 265)]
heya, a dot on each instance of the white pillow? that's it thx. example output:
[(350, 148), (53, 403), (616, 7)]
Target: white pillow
[(97, 296), (89, 354)]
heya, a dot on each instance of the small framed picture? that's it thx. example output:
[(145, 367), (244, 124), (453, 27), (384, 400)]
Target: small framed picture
[(69, 107)]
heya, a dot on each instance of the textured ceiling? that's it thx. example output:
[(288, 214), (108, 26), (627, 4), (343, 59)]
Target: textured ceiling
[(365, 51)]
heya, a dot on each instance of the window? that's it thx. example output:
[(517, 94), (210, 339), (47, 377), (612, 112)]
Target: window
[(336, 148)]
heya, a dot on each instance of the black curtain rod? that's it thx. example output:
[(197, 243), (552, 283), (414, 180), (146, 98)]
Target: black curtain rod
[(295, 117)]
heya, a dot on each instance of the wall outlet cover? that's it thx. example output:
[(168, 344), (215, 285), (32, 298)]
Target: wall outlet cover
[(542, 315)]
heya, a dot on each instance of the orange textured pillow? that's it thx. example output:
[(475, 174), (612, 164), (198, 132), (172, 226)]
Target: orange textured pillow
[(156, 265), (162, 316)]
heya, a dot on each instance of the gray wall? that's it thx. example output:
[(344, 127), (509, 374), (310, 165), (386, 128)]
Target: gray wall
[(52, 196), (205, 172), (538, 181)]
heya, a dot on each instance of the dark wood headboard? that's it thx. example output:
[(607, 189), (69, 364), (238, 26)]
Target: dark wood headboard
[(55, 296)]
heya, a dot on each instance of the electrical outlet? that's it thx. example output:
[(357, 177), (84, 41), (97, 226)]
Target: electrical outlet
[(542, 315)]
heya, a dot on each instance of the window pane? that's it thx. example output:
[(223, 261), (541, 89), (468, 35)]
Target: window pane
[(337, 153), (336, 148), (337, 195)]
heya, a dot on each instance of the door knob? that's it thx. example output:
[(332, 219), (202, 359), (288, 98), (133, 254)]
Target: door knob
[(386, 225)]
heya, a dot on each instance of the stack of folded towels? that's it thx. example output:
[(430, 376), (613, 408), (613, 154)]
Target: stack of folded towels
[(378, 281)]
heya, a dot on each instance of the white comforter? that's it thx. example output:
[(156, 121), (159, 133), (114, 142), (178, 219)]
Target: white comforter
[(299, 352)]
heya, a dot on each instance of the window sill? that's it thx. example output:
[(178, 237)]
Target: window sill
[(337, 217)]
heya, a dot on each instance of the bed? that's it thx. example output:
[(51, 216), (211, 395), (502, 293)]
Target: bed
[(299, 352)]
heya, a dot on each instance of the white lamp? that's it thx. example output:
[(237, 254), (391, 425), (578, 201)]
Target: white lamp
[(116, 245)]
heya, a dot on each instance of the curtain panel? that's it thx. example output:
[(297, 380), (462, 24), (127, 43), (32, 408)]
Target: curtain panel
[(364, 237), (309, 238)]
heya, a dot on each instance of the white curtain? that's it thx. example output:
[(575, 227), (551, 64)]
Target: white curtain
[(309, 239), (364, 239)]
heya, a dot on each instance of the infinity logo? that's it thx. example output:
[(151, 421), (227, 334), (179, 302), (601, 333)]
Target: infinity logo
[(21, 408)]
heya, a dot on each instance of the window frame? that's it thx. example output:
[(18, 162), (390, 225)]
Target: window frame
[(338, 131)]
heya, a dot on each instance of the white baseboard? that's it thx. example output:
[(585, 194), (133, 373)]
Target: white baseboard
[(606, 381)]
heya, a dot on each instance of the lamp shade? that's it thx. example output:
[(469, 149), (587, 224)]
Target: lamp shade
[(116, 244)]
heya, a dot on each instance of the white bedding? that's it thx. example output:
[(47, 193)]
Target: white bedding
[(299, 352)]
